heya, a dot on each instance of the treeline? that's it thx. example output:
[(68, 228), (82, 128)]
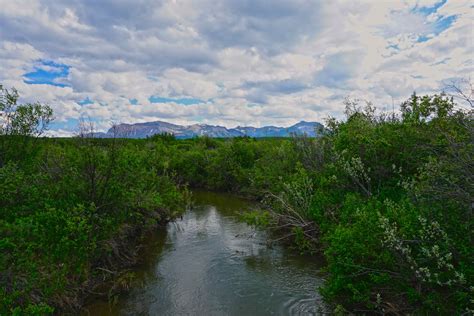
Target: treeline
[(387, 199)]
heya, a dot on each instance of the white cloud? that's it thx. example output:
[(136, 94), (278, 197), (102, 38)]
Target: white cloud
[(250, 62)]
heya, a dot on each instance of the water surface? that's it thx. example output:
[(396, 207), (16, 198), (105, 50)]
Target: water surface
[(211, 263)]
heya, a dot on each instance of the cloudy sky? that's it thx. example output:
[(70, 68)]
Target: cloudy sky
[(228, 62)]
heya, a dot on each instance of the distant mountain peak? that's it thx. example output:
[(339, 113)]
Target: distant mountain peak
[(147, 129)]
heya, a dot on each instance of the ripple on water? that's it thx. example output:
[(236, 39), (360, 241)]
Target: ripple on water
[(301, 306)]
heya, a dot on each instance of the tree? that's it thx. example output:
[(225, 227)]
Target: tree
[(29, 120)]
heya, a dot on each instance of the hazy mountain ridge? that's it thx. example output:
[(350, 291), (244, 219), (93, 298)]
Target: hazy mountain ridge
[(143, 130)]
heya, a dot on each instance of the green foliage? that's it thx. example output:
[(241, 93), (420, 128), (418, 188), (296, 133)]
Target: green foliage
[(257, 218), (20, 124), (386, 198), (30, 119), (69, 207), (395, 209)]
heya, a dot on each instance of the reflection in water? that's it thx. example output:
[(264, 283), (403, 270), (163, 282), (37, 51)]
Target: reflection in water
[(210, 263)]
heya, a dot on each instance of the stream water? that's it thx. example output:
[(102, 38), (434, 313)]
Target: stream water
[(211, 263)]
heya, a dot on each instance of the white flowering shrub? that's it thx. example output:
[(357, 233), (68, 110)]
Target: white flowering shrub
[(355, 169), (424, 252)]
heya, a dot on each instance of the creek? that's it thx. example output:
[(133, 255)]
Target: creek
[(212, 263)]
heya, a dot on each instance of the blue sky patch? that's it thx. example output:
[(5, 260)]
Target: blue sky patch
[(443, 23), (86, 101), (47, 72), (183, 101), (73, 124), (394, 46), (439, 26), (70, 124), (429, 10)]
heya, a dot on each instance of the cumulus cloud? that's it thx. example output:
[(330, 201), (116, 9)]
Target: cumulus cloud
[(227, 62)]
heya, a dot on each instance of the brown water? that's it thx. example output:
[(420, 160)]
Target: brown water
[(211, 263)]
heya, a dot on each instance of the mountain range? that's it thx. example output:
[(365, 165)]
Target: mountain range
[(143, 130)]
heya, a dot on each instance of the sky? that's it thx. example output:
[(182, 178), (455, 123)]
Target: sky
[(228, 62)]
